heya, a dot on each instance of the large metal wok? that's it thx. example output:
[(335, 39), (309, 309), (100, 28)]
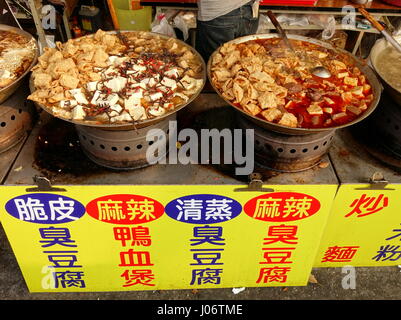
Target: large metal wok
[(377, 49), (12, 87), (367, 71), (140, 123)]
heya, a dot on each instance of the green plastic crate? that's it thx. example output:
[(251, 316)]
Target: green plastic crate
[(132, 19)]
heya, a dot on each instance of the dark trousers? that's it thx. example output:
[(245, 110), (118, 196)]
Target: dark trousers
[(212, 34)]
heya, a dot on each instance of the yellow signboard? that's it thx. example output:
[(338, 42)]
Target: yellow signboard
[(364, 228), (120, 238)]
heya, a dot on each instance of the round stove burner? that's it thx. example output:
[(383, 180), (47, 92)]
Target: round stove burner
[(16, 115), (120, 149), (288, 153)]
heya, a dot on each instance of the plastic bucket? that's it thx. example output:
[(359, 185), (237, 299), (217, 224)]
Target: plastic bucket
[(140, 19)]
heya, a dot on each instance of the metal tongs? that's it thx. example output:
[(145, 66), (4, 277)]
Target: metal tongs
[(319, 71)]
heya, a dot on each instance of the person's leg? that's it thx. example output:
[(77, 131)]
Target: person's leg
[(212, 34), (248, 24)]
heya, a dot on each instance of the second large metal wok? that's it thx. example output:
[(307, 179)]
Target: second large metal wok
[(365, 69), (376, 54)]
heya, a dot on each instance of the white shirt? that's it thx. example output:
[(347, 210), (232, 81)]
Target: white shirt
[(211, 9)]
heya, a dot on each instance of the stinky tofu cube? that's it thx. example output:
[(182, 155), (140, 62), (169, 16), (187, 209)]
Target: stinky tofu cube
[(253, 109), (354, 110), (124, 116), (351, 81), (289, 120), (267, 100), (290, 104), (358, 91), (339, 65), (366, 88), (342, 75), (328, 100), (62, 113), (363, 106), (157, 112), (339, 116), (78, 113), (347, 96), (314, 109), (272, 114), (369, 98)]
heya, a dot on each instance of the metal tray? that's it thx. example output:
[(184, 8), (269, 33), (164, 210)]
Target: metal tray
[(366, 70)]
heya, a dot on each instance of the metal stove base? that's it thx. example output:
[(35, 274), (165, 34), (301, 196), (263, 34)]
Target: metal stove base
[(304, 168), (177, 174), (287, 153), (123, 149), (16, 118)]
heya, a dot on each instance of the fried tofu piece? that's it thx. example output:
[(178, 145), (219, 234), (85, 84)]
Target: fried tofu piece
[(314, 109), (261, 76), (68, 81), (347, 96), (328, 110), (328, 100), (238, 92), (339, 116), (289, 120), (42, 80), (339, 65), (232, 58), (267, 100), (366, 88), (222, 75), (363, 106), (354, 110), (358, 91), (351, 81), (253, 109), (272, 114), (234, 70), (342, 75)]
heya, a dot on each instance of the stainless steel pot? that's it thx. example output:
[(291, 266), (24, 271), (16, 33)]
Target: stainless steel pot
[(377, 49), (141, 123), (365, 69), (12, 87)]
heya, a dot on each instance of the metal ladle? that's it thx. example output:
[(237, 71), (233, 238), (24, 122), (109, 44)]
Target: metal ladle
[(319, 71)]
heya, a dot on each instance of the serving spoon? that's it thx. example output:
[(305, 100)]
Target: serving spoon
[(319, 71)]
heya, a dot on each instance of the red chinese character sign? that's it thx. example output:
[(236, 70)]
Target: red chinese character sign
[(120, 238), (125, 209), (282, 206), (364, 228)]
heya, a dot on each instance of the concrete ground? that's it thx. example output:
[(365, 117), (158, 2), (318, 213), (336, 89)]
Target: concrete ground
[(371, 283)]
